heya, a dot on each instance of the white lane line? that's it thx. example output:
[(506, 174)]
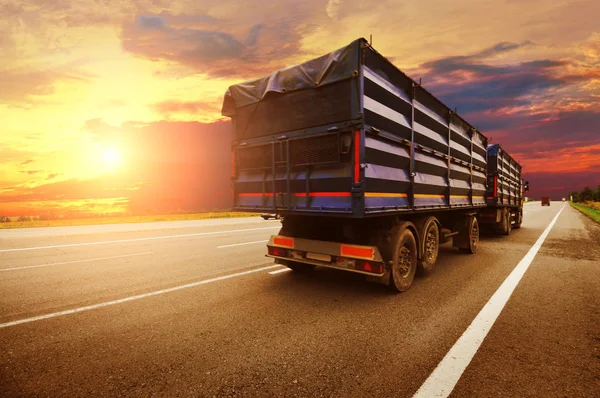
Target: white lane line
[(279, 271), (445, 376), (137, 239), (131, 298), (242, 244), (73, 262)]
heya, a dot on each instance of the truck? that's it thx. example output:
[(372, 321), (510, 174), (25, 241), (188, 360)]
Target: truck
[(369, 171), (545, 200)]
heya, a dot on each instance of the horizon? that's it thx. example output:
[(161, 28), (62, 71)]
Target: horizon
[(119, 109)]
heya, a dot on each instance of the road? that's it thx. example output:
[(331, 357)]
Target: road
[(195, 309)]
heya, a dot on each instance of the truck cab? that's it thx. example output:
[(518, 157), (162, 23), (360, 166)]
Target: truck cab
[(545, 200)]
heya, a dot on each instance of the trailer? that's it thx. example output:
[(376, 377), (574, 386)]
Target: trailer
[(370, 171), (505, 192)]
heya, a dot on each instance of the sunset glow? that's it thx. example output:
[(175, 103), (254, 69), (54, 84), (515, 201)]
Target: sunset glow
[(112, 158), (120, 101)]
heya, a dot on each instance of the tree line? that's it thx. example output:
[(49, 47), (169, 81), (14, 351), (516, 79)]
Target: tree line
[(587, 195)]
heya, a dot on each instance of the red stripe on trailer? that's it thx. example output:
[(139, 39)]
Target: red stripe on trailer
[(255, 194), (321, 194), (495, 185), (285, 242), (298, 194)]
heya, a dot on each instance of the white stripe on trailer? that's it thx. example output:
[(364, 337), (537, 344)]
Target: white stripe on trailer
[(381, 82), (383, 146), (389, 113), (427, 132), (431, 114)]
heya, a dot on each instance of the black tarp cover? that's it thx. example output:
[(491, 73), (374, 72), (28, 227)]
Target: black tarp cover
[(330, 68)]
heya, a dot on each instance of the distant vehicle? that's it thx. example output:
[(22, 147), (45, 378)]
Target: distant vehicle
[(564, 199), (545, 200), (267, 216)]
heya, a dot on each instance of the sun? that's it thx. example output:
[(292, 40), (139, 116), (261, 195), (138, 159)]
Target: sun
[(112, 158)]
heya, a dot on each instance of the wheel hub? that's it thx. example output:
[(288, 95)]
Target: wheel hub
[(430, 246), (474, 235), (404, 261)]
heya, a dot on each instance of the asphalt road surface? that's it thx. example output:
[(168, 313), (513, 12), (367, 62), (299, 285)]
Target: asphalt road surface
[(195, 309)]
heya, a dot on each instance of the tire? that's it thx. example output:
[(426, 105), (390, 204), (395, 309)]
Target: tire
[(404, 259), (519, 220), (265, 217), (502, 227), (431, 245), (508, 224), (470, 233)]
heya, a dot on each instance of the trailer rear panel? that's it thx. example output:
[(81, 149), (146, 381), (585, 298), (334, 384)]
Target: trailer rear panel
[(505, 180), (349, 134)]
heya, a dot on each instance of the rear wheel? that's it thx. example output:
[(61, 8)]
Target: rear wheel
[(518, 220), (469, 236), (404, 259), (431, 245), (503, 226), (508, 223)]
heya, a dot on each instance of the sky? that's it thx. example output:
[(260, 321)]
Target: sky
[(115, 105)]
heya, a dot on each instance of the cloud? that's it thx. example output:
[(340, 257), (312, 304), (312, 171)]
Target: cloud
[(332, 8), (51, 176), (212, 46), (476, 83), (21, 87), (26, 162), (193, 107), (30, 172)]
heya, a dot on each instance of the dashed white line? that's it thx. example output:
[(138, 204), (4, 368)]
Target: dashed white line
[(73, 262), (279, 271), (445, 376), (242, 244), (137, 239), (132, 298)]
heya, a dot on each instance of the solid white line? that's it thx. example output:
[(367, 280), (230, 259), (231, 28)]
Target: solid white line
[(137, 239), (242, 244), (279, 271), (445, 376), (131, 298), (74, 262)]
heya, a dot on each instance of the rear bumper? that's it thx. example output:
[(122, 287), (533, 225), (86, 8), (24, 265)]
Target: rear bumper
[(360, 259)]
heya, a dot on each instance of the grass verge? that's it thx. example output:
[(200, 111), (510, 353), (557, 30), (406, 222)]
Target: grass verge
[(592, 210), (124, 219)]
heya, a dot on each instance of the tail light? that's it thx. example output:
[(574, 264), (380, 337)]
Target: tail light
[(278, 252), (495, 185), (368, 266), (356, 157)]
